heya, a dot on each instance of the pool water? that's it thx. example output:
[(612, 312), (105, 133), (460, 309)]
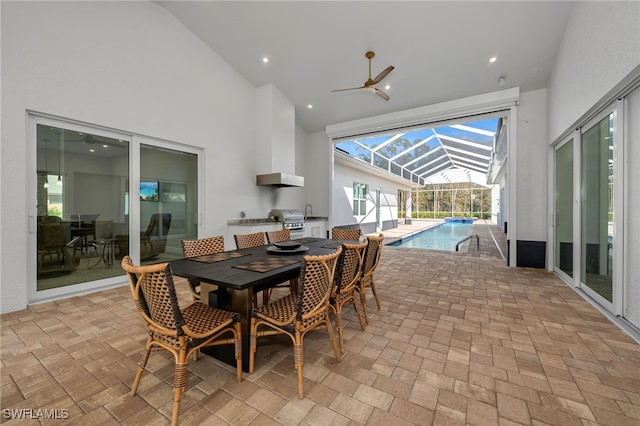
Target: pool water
[(442, 237)]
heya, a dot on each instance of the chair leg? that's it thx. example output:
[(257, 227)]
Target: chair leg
[(141, 366), (363, 301), (332, 339), (375, 293), (253, 344), (298, 360), (179, 384), (338, 315), (238, 350), (353, 302)]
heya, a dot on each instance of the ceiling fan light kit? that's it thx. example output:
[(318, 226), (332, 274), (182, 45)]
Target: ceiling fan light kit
[(370, 84)]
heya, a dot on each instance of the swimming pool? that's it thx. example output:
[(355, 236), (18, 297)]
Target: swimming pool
[(441, 237)]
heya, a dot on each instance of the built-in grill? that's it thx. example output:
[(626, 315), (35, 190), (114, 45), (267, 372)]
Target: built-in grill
[(291, 219)]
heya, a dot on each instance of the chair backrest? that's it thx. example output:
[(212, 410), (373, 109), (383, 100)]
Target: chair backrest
[(154, 293), (345, 234), (50, 236), (49, 219), (155, 222), (203, 246), (372, 254), (103, 229), (249, 240), (349, 266), (278, 236), (88, 218), (314, 285)]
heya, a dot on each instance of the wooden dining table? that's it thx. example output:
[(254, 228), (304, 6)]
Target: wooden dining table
[(238, 274)]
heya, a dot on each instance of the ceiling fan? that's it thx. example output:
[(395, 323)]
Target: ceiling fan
[(91, 140), (370, 84)]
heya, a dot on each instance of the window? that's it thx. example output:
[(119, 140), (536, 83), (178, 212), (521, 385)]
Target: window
[(359, 199)]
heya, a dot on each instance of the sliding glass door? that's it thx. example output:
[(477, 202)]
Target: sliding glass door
[(80, 205), (597, 207), (90, 185), (168, 201), (564, 208), (631, 290)]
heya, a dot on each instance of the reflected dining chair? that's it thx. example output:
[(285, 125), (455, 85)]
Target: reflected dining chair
[(369, 265), (297, 314), (345, 234), (180, 331), (278, 237), (348, 270), (255, 239), (201, 247)]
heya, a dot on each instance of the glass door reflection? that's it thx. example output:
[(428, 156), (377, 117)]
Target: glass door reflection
[(80, 187), (597, 208), (564, 208)]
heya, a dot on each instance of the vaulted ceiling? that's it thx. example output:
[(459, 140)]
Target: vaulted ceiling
[(441, 51)]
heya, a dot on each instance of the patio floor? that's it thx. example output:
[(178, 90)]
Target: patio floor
[(460, 339)]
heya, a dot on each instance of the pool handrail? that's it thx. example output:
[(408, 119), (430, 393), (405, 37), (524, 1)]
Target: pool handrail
[(467, 238)]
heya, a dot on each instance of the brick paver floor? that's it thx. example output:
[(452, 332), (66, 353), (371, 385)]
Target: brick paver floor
[(459, 339)]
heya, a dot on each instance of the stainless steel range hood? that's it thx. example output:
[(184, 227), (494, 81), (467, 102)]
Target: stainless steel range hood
[(275, 140), (279, 180)]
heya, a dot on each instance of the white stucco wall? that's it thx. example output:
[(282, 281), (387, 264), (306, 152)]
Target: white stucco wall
[(318, 179), (129, 66), (601, 45), (531, 166), (342, 197)]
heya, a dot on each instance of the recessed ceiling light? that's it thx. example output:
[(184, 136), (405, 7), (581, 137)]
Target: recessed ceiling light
[(493, 59), (265, 60), (309, 106), (387, 87), (105, 146), (92, 150)]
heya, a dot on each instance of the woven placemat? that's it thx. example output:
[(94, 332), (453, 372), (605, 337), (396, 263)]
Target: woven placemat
[(266, 265), (332, 245), (305, 240), (218, 257)]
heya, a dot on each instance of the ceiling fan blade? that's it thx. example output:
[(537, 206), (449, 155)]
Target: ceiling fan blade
[(382, 94), (382, 75), (351, 88)]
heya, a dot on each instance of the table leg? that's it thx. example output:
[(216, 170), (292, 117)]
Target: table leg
[(241, 302)]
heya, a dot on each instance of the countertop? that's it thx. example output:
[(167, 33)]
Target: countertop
[(251, 222), (267, 221)]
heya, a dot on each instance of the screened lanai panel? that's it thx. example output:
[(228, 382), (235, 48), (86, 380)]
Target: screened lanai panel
[(417, 153)]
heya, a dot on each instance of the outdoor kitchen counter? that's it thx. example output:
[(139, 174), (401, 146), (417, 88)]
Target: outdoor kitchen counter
[(252, 222), (315, 218)]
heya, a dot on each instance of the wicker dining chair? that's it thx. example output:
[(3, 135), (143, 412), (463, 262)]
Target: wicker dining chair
[(255, 239), (249, 240), (201, 247), (345, 234), (297, 314), (181, 331), (278, 237), (348, 271), (369, 265)]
